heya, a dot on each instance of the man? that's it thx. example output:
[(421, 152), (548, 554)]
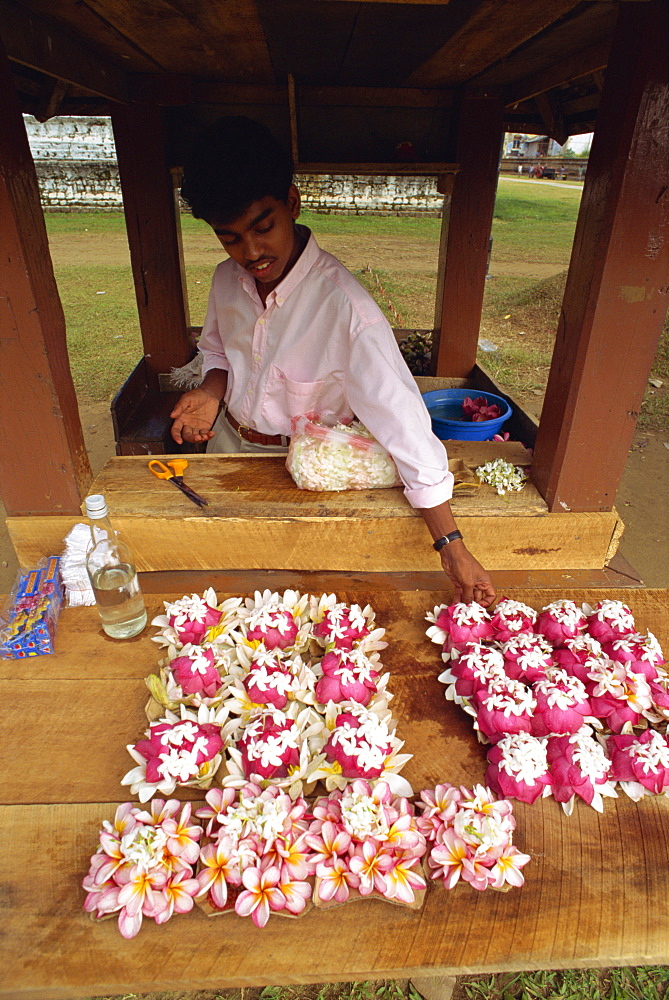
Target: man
[(290, 331)]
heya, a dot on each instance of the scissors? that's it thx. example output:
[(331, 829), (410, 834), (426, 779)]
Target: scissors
[(174, 475)]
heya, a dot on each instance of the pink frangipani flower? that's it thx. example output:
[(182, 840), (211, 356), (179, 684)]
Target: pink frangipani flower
[(261, 895)]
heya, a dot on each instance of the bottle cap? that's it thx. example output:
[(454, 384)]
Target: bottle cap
[(96, 506)]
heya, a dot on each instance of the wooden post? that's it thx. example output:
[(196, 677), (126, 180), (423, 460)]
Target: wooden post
[(616, 295), (151, 212), (43, 461), (460, 297)]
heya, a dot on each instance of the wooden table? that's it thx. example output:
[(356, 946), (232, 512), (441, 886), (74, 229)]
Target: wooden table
[(596, 892)]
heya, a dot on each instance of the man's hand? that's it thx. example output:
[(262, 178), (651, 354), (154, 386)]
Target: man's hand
[(194, 416), (469, 578)]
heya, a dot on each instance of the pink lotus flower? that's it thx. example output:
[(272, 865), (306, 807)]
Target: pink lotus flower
[(269, 685), (464, 623), (640, 760), (194, 671), (179, 749), (579, 656), (518, 767), (559, 621), (343, 626), (269, 748), (191, 618), (479, 409), (273, 626), (511, 618), (618, 696), (527, 657), (360, 745), (610, 620), (347, 676), (641, 654), (578, 766), (477, 667), (261, 895), (562, 704), (507, 707)]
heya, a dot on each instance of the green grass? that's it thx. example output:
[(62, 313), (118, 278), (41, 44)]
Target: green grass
[(520, 314), (646, 983)]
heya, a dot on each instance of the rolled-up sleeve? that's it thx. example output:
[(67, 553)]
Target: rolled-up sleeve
[(209, 344), (383, 395)]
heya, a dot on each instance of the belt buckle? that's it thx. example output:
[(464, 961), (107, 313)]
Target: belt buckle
[(240, 430)]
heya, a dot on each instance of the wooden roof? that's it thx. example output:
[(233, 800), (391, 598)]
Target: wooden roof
[(407, 60)]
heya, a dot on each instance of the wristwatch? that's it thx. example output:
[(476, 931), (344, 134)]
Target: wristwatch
[(452, 536)]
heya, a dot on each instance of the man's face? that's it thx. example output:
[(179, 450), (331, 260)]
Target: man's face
[(263, 239)]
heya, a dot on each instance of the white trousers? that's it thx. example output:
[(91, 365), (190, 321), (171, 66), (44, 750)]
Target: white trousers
[(227, 441)]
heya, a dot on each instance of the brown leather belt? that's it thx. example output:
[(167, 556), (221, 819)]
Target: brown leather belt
[(255, 437)]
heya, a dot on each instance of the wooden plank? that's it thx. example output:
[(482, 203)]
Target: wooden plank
[(455, 342), (42, 44), (493, 30), (549, 541), (572, 68), (152, 217), (615, 299), (43, 461), (579, 907)]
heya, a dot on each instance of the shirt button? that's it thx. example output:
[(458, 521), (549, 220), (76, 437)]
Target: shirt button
[(256, 357)]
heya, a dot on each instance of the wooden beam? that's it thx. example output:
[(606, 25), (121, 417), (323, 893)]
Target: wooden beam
[(616, 295), (151, 214), (43, 45), (43, 462), (591, 60), (553, 117), (51, 99), (493, 30), (460, 299)]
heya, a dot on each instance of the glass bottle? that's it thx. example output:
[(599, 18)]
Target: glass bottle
[(113, 576)]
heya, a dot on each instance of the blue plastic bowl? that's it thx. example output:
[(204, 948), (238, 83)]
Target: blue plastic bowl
[(449, 420)]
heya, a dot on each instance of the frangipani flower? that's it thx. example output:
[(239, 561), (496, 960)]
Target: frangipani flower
[(143, 866), (261, 894), (220, 868)]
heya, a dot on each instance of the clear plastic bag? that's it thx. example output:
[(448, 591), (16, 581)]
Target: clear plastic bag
[(343, 457), (28, 620)]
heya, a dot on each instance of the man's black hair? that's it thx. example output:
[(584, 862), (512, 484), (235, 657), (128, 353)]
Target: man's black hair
[(233, 163)]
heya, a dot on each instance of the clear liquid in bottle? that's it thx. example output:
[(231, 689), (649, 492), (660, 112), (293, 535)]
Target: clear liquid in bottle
[(119, 600)]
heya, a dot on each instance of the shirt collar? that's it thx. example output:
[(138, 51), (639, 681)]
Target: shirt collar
[(298, 271)]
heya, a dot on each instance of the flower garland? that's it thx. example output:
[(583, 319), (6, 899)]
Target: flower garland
[(559, 694)]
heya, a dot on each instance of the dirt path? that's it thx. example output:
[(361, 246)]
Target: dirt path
[(389, 254)]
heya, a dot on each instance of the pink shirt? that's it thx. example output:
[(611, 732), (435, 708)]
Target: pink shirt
[(321, 345)]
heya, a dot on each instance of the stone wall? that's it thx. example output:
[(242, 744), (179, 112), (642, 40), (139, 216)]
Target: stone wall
[(76, 167)]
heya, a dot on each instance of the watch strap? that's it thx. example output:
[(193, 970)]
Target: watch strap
[(452, 536)]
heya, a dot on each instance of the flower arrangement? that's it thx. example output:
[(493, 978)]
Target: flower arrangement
[(257, 862), (273, 672), (144, 866), (540, 695), (505, 477), (469, 833), (366, 842), (180, 749)]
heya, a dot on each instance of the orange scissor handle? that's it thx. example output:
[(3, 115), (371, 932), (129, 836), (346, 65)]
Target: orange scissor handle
[(161, 470)]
